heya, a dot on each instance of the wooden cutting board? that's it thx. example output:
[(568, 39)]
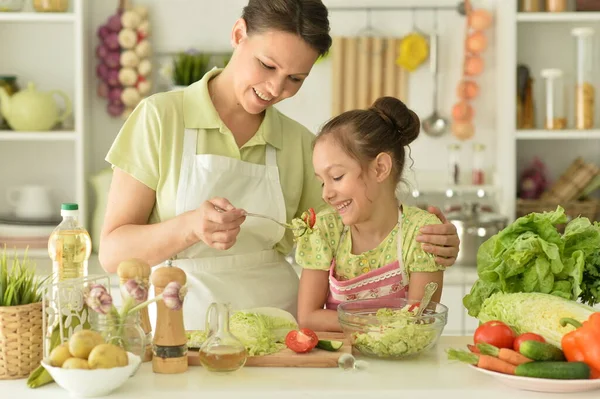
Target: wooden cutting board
[(316, 358)]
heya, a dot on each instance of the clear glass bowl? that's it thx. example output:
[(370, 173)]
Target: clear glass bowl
[(391, 334)]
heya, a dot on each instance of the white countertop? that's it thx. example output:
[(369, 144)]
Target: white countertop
[(428, 376)]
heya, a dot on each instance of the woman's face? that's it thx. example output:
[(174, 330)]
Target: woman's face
[(350, 190), (268, 67)]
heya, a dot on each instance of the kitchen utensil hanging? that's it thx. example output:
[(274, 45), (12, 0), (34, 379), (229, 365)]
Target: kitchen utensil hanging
[(364, 69), (435, 125), (414, 48)]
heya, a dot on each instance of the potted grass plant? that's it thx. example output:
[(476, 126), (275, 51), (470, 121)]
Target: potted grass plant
[(21, 346), (190, 66)]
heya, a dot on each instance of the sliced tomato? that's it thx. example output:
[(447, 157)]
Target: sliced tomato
[(414, 306), (312, 218), (301, 341), (526, 337)]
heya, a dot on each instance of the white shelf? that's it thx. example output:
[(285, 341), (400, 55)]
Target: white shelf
[(558, 134), (60, 135), (59, 17), (558, 16)]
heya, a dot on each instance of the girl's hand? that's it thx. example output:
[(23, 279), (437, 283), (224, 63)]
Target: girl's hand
[(440, 239), (217, 223)]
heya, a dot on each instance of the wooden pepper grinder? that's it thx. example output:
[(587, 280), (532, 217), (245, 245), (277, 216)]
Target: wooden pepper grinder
[(170, 342), (138, 270)]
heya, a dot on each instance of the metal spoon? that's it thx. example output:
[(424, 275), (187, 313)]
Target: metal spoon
[(256, 215), (434, 125), (430, 289)]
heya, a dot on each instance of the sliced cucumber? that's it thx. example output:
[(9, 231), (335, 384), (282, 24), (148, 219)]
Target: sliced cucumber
[(329, 345)]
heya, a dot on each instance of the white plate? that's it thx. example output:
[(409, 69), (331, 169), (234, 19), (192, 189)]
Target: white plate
[(542, 384)]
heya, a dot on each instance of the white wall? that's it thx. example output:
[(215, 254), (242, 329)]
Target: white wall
[(181, 24)]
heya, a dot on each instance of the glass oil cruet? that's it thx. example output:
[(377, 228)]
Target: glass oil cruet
[(221, 351)]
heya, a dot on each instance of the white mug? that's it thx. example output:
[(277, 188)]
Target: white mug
[(31, 202)]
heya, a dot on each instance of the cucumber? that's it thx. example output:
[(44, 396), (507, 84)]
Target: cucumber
[(541, 351), (554, 370), (328, 345)]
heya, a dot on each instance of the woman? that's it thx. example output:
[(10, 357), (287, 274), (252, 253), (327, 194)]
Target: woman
[(188, 164)]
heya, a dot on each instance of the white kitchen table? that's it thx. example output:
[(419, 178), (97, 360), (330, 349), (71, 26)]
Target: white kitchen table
[(429, 376)]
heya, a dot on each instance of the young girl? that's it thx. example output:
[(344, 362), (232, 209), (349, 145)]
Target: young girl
[(364, 245)]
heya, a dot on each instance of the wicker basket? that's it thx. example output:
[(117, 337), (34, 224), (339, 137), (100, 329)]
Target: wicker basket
[(20, 340), (573, 209)]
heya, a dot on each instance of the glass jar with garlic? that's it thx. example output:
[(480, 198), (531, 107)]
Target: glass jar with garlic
[(585, 78)]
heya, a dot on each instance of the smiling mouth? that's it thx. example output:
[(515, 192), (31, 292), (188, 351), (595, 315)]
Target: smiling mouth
[(342, 206), (262, 95)]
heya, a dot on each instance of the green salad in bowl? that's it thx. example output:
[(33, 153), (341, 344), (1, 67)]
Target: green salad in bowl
[(389, 328)]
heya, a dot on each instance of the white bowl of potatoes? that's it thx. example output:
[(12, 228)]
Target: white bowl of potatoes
[(86, 366)]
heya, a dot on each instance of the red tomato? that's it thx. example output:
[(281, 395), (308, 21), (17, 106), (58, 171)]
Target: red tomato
[(526, 337), (301, 341), (311, 218), (495, 333)]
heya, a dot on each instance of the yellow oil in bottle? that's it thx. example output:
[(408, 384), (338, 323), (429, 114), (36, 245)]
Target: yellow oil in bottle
[(70, 251), (69, 246), (222, 358)]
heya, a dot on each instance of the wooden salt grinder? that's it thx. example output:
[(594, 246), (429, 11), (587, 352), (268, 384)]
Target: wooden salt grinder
[(139, 270), (170, 342)]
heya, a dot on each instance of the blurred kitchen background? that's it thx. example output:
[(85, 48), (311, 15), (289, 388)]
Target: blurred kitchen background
[(513, 137)]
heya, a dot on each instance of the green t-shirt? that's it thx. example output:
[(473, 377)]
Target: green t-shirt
[(317, 249), (149, 147)]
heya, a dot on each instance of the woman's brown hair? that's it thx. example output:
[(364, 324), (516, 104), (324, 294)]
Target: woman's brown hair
[(387, 126), (306, 18)]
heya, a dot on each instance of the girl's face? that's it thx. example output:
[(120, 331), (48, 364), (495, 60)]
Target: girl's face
[(354, 192), (268, 67)]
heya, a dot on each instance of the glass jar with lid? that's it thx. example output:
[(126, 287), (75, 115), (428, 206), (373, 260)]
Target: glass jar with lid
[(585, 78), (556, 5), (531, 5), (556, 115), (51, 5), (478, 167), (454, 164)]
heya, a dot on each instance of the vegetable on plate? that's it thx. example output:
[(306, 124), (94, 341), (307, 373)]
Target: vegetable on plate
[(541, 351), (532, 256), (554, 370), (526, 337), (583, 344), (495, 333), (485, 362), (506, 354), (534, 313)]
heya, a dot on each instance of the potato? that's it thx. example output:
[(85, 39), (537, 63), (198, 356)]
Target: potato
[(107, 356), (60, 354), (82, 342), (76, 363)]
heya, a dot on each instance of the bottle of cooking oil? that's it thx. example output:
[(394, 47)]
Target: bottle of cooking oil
[(69, 245)]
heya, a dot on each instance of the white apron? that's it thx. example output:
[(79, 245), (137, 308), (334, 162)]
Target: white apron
[(251, 273)]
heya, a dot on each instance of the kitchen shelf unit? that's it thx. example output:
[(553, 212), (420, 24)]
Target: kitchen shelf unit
[(24, 16), (58, 135), (62, 65), (540, 134), (557, 16), (539, 40)]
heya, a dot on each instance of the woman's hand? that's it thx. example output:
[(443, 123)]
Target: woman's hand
[(440, 239), (217, 223)]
